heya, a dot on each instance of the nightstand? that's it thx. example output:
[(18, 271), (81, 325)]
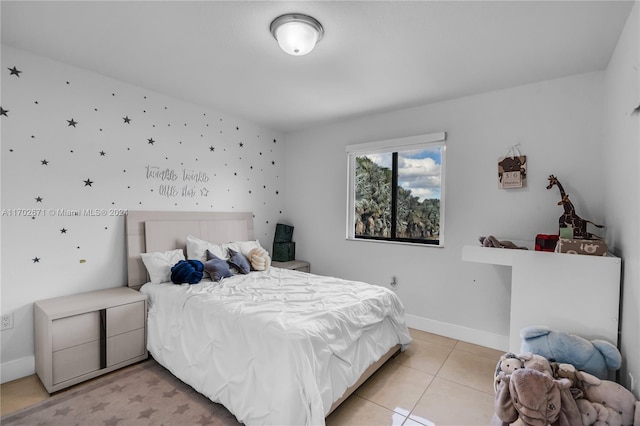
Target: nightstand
[(297, 265), (85, 335)]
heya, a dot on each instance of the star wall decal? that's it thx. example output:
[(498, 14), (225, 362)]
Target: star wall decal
[(88, 182), (102, 153), (211, 148), (14, 71), (36, 260), (44, 162), (151, 141), (63, 231), (72, 122), (4, 112), (241, 144), (204, 192), (127, 120), (39, 199)]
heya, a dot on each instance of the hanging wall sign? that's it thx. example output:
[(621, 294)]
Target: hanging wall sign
[(512, 169)]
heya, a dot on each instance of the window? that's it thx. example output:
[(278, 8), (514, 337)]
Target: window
[(396, 190)]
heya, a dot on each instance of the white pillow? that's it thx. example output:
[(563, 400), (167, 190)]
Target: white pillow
[(197, 248), (245, 247), (159, 264)]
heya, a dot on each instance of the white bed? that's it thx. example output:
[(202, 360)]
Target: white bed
[(275, 347)]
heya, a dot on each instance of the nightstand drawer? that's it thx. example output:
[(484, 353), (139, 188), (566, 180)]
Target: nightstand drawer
[(76, 361), (125, 346), (86, 328), (121, 319)]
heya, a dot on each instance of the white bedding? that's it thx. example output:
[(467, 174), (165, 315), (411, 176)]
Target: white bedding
[(276, 347)]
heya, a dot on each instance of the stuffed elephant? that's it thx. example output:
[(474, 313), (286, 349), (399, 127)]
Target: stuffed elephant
[(595, 357)]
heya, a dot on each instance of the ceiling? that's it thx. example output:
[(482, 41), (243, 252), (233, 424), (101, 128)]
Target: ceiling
[(375, 56)]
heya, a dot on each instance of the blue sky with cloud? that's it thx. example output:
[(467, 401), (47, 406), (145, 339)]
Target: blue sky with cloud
[(419, 170)]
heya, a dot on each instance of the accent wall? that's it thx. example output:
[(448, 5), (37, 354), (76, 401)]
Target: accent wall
[(79, 150)]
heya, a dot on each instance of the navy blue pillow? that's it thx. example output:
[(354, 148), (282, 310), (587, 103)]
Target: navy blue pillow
[(216, 267), (187, 271), (238, 261)]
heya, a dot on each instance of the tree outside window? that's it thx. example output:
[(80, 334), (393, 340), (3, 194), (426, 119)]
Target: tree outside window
[(396, 190)]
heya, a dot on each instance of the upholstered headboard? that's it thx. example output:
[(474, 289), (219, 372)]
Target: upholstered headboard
[(152, 231)]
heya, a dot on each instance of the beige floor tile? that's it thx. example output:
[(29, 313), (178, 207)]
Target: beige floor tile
[(411, 422), (395, 387), (470, 370), (433, 338), (356, 411), (447, 403), (493, 354), (424, 356), (21, 393)]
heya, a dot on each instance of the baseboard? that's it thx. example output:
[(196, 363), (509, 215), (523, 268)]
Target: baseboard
[(478, 337), (17, 369)]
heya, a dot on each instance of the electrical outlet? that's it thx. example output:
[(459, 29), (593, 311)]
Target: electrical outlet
[(7, 322)]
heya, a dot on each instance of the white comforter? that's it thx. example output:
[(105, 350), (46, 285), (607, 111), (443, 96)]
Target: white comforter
[(276, 347)]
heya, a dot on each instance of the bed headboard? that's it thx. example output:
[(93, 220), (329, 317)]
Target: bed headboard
[(151, 231)]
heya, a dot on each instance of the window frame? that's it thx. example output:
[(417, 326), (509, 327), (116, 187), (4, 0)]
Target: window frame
[(391, 146)]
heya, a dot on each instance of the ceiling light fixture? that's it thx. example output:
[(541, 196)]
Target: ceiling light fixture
[(296, 34)]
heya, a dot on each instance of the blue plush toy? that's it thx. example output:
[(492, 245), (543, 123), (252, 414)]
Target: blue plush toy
[(594, 357), (187, 271)]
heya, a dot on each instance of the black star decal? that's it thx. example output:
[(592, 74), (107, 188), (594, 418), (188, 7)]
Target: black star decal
[(63, 231), (44, 162), (274, 141), (15, 71), (241, 144), (102, 153), (38, 199), (277, 192), (127, 119), (36, 260), (211, 148), (88, 182), (273, 162), (72, 122), (237, 128), (4, 111), (151, 141)]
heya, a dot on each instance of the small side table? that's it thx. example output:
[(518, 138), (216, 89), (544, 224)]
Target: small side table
[(297, 265)]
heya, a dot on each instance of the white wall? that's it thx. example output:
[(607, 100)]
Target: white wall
[(558, 125), (621, 157), (90, 253)]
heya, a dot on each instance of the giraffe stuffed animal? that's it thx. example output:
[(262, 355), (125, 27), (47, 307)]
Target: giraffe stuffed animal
[(570, 219)]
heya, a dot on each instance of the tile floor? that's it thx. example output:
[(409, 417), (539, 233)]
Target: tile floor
[(436, 381)]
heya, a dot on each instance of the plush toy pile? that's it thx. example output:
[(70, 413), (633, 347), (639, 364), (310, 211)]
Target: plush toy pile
[(542, 393)]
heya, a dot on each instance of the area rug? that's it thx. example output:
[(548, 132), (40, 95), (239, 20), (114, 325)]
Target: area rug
[(142, 394)]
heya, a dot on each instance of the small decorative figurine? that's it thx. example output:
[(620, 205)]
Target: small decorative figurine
[(570, 219)]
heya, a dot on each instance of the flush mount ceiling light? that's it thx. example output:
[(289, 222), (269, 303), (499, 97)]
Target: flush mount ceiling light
[(296, 34)]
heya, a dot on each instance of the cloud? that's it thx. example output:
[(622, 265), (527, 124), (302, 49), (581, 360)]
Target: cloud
[(420, 175)]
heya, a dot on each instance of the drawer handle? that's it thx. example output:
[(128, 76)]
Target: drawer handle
[(103, 338)]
